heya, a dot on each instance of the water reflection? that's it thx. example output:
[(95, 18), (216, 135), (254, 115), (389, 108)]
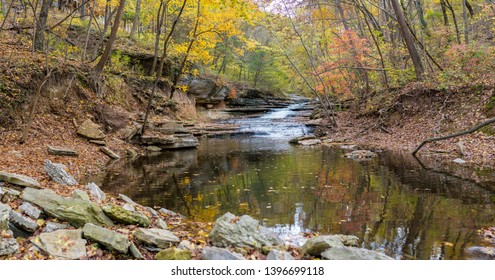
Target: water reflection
[(390, 203)]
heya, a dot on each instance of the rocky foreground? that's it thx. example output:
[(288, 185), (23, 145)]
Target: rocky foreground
[(38, 223)]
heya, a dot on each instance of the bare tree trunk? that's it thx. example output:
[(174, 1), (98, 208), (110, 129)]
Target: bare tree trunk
[(98, 69), (89, 30), (39, 34), (135, 22), (454, 18), (466, 23), (160, 18), (160, 68), (444, 12), (413, 52)]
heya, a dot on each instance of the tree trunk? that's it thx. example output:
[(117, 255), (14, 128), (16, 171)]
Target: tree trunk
[(444, 12), (39, 34), (135, 22), (160, 18), (98, 69), (454, 18), (413, 52), (466, 23)]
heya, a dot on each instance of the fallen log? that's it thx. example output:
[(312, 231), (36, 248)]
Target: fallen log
[(471, 130)]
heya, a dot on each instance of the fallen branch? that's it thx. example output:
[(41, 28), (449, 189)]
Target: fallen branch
[(471, 130)]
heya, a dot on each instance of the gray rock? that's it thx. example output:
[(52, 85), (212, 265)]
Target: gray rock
[(459, 161), (7, 195), (4, 216), (129, 207), (8, 246), (19, 180), (185, 245), (133, 249), (302, 138), (360, 154), (109, 152), (348, 240), (246, 232), (481, 252), (160, 238), (108, 238), (79, 194), (349, 147), (277, 255), (165, 141), (309, 142), (63, 244), (30, 210), (161, 223), (120, 215), (316, 245), (61, 151), (98, 142), (51, 226), (90, 130), (205, 90), (96, 192), (352, 253), (170, 213), (153, 149), (128, 200), (215, 253), (25, 223), (152, 211), (57, 172), (75, 211)]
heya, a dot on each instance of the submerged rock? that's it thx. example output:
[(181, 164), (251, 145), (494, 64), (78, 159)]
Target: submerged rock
[(75, 211), (90, 130), (215, 253), (8, 246), (352, 253), (173, 254), (63, 244), (19, 180), (361, 154), (242, 232), (108, 238), (123, 216), (278, 255), (160, 238), (58, 173)]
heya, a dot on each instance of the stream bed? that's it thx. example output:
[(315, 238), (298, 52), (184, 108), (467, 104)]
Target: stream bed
[(391, 203)]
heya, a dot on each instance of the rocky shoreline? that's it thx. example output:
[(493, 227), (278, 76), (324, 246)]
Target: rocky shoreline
[(38, 223)]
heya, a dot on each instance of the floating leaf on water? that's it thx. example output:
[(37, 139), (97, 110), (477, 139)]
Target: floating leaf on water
[(268, 206)]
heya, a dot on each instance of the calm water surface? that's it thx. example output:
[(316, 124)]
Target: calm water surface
[(391, 203)]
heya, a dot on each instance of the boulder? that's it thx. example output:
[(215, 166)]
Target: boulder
[(204, 90), (245, 231), (278, 255), (8, 246), (173, 254), (90, 130), (61, 151), (109, 152), (63, 244), (352, 253), (129, 207), (58, 173), (348, 240), (110, 239), (215, 253), (360, 154), (160, 238), (4, 216), (19, 180), (23, 222), (185, 245), (316, 245), (75, 211), (51, 226), (96, 192), (30, 210), (169, 142), (123, 216), (133, 249)]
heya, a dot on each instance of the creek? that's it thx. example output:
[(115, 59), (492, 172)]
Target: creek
[(390, 202)]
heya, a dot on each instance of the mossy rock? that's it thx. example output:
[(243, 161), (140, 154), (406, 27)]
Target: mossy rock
[(123, 216), (173, 254)]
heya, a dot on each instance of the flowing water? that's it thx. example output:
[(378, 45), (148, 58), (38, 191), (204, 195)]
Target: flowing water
[(391, 203)]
